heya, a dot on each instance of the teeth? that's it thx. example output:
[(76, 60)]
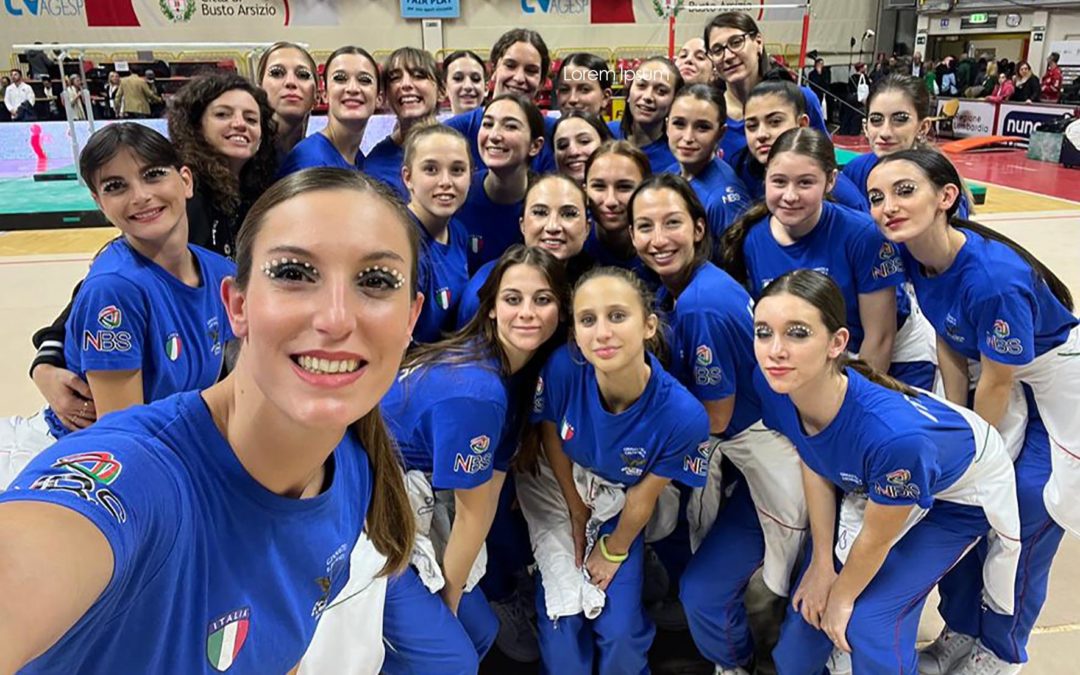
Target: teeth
[(325, 366)]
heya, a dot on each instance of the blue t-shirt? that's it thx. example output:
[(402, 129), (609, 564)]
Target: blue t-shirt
[(712, 343), (314, 151), (384, 162), (470, 296), (989, 302), (211, 571), (468, 123), (664, 432), (131, 314), (722, 194), (443, 274), (897, 449), (858, 170), (752, 174), (602, 256), (492, 227), (454, 421), (844, 244), (735, 135), (659, 153)]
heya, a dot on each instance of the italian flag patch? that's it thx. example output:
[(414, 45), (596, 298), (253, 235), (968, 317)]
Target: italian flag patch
[(225, 638), (173, 347)]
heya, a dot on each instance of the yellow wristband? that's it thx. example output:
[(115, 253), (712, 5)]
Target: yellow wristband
[(611, 557)]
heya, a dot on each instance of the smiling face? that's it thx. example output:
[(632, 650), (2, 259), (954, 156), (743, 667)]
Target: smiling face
[(575, 140), (736, 56), (904, 202), (526, 311), (352, 87), (611, 181), (518, 71), (664, 233), (694, 63), (504, 136), (693, 130), (610, 323), (892, 123), (466, 84), (651, 93), (766, 117), (791, 343), (411, 91), (554, 218), (231, 124), (580, 89), (438, 176), (289, 82), (328, 311), (147, 203), (795, 187)]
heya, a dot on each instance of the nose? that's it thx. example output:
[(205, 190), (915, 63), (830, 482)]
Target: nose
[(776, 348), (789, 194), (139, 193), (333, 317), (658, 238), (603, 329)]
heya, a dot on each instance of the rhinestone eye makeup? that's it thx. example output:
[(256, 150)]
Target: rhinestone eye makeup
[(398, 277), (279, 266)]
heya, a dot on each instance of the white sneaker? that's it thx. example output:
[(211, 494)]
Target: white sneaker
[(839, 662), (982, 661), (720, 670), (942, 655), (517, 637)]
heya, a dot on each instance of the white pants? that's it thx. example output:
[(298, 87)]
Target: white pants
[(348, 639), (21, 440), (773, 473), (434, 510), (916, 340)]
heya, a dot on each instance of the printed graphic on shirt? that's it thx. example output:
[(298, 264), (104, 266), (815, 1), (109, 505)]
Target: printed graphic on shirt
[(442, 297), (634, 460), (852, 483), (86, 476), (110, 317), (891, 263), (538, 397), (225, 637), (566, 431), (480, 444), (731, 195), (213, 331), (898, 486), (476, 243), (952, 330), (335, 565), (705, 373), (105, 341), (698, 463), (173, 346), (1000, 341)]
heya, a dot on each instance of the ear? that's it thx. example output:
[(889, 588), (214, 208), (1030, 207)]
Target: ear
[(804, 121), (699, 229), (947, 196), (414, 314), (838, 343), (607, 98), (521, 225), (924, 128), (652, 324), (236, 306), (187, 178), (535, 147), (406, 177), (830, 181)]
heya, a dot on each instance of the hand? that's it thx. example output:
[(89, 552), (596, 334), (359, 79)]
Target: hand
[(812, 596), (578, 518), (67, 394), (835, 620), (601, 570)]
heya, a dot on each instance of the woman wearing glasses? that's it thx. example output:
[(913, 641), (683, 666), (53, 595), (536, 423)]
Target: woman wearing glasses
[(737, 49)]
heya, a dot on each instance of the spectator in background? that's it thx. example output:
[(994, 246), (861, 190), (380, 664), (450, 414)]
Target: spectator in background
[(1003, 91), (1027, 85), (110, 108), (5, 114), (38, 63), (1052, 80), (73, 99), (881, 68), (986, 86), (156, 109), (820, 78), (19, 98), (918, 69), (965, 74), (50, 97), (135, 97)]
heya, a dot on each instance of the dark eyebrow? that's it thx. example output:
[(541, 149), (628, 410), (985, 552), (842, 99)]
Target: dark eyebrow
[(374, 256)]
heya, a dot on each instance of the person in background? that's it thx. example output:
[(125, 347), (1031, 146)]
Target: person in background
[(112, 87), (1003, 91), (986, 85), (946, 77), (918, 68), (1027, 85), (50, 97), (135, 96), (881, 68), (820, 79), (38, 62), (1052, 80), (73, 99), (157, 109), (5, 114), (19, 98), (694, 63), (930, 78), (466, 80)]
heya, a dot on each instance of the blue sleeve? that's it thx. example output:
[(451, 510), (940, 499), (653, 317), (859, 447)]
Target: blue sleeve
[(465, 433), (127, 492), (705, 340), (814, 111), (462, 122), (846, 194), (684, 454), (876, 264), (1005, 322), (470, 298), (297, 159), (110, 322), (900, 473)]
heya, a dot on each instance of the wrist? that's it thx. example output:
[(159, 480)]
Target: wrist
[(617, 555)]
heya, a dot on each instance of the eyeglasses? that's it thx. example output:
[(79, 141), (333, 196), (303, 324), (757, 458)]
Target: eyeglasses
[(735, 44)]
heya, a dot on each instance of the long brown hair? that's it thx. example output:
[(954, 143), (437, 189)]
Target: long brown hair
[(824, 294), (211, 171), (389, 522)]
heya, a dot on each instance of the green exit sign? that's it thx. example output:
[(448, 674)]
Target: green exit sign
[(981, 17)]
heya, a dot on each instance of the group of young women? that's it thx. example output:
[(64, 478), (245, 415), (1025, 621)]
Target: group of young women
[(386, 386)]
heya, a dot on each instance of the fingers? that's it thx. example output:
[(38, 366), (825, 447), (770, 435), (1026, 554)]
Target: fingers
[(76, 384), (842, 643)]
